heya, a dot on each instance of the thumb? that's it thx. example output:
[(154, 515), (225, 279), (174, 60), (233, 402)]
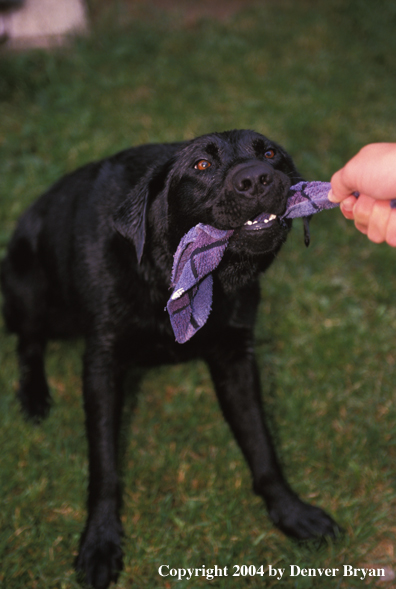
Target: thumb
[(339, 189)]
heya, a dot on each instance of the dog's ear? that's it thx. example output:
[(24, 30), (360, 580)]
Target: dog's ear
[(131, 218)]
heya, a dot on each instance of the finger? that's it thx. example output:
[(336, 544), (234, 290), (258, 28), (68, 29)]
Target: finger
[(361, 228), (378, 222), (347, 207), (362, 210), (391, 229)]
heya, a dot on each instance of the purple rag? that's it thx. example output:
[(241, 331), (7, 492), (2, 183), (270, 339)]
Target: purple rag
[(201, 250)]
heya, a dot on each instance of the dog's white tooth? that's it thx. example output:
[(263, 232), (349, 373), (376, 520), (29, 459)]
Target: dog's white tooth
[(249, 223), (266, 220), (272, 217)]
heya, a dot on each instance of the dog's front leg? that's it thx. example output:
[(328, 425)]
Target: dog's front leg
[(236, 380), (100, 555)]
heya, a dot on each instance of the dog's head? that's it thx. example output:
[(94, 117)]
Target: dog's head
[(226, 180), (221, 179)]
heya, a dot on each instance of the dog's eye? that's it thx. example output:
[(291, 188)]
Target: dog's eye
[(269, 154), (202, 165)]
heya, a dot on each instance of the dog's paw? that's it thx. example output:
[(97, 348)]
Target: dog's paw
[(35, 402), (303, 521), (99, 561)]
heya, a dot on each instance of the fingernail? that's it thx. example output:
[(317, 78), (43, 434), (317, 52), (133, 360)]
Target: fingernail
[(330, 196)]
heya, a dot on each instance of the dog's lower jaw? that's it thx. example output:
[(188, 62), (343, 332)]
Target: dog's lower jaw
[(236, 274)]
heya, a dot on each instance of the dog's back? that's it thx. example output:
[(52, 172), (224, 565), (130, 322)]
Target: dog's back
[(61, 237)]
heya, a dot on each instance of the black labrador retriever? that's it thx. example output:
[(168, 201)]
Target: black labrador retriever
[(93, 257)]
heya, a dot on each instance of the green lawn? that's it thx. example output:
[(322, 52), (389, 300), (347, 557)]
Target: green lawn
[(320, 78)]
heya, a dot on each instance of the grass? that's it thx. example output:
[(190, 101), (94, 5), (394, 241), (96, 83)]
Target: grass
[(320, 79)]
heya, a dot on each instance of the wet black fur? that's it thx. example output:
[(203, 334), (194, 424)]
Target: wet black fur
[(93, 257)]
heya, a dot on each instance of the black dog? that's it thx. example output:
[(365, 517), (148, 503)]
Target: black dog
[(93, 257)]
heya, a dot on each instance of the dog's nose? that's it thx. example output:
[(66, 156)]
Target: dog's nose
[(252, 179)]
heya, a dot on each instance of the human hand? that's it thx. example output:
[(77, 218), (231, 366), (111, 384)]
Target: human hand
[(371, 173)]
